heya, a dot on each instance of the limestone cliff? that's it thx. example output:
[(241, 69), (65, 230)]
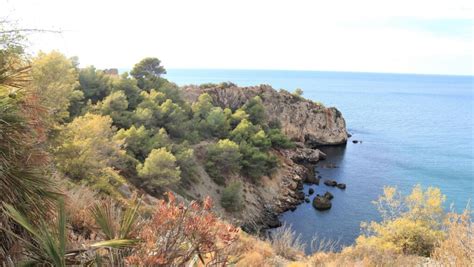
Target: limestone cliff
[(302, 120)]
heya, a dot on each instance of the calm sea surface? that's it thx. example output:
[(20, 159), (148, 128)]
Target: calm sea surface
[(416, 129)]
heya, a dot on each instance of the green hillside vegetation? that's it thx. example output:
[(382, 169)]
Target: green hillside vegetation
[(136, 127), (72, 139)]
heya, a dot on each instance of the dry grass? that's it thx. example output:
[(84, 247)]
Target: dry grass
[(458, 247), (324, 245), (363, 256), (254, 252), (79, 202), (286, 243)]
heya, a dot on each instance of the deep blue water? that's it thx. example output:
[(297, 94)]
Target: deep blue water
[(416, 129)]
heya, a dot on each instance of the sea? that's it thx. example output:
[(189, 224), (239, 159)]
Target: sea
[(415, 129)]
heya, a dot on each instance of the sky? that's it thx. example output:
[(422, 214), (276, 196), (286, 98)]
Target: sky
[(415, 36)]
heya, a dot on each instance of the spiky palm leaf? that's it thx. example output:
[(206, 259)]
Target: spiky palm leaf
[(107, 218), (47, 244)]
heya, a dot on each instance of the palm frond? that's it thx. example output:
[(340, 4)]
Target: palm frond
[(47, 245), (116, 243), (104, 218), (129, 219)]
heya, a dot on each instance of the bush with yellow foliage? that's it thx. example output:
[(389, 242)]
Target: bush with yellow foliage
[(410, 225)]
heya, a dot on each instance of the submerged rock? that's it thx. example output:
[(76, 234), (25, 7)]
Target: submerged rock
[(330, 182), (306, 200), (329, 166), (311, 191), (341, 186)]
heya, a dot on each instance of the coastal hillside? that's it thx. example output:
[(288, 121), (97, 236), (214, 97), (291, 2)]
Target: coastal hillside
[(102, 169), (304, 122)]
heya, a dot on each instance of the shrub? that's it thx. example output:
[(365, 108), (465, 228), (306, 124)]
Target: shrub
[(217, 124), (256, 163), (298, 92), (223, 159), (243, 131), (457, 249), (254, 107), (231, 199), (177, 233), (410, 225), (159, 169), (279, 140)]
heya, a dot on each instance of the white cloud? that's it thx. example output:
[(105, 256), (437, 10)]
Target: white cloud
[(317, 35)]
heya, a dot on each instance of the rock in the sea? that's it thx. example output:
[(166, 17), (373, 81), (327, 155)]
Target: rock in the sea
[(328, 195), (311, 179), (293, 208), (330, 182), (306, 200), (321, 203), (355, 141), (311, 191), (341, 186)]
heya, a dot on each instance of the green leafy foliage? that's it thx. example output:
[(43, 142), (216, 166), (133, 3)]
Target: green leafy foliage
[(54, 78), (279, 140), (159, 169), (217, 123), (89, 153), (231, 199), (130, 88), (256, 163), (223, 159), (147, 71), (115, 105), (256, 110), (94, 84)]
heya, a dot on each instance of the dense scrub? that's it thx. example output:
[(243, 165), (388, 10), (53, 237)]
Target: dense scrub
[(108, 129)]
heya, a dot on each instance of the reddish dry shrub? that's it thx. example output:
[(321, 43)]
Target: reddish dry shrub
[(178, 233)]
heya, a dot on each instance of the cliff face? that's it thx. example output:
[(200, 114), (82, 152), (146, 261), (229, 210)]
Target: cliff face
[(302, 120)]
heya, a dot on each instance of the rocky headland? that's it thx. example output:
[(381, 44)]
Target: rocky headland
[(307, 123)]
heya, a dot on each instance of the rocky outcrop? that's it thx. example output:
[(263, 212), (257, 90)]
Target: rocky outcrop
[(302, 120), (321, 203), (306, 155), (307, 123)]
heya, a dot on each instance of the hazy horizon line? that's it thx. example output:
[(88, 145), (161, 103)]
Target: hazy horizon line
[(121, 70)]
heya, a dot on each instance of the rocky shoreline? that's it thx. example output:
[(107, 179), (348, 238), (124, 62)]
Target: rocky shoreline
[(291, 192)]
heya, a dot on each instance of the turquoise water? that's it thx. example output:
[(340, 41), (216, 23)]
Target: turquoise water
[(416, 129)]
